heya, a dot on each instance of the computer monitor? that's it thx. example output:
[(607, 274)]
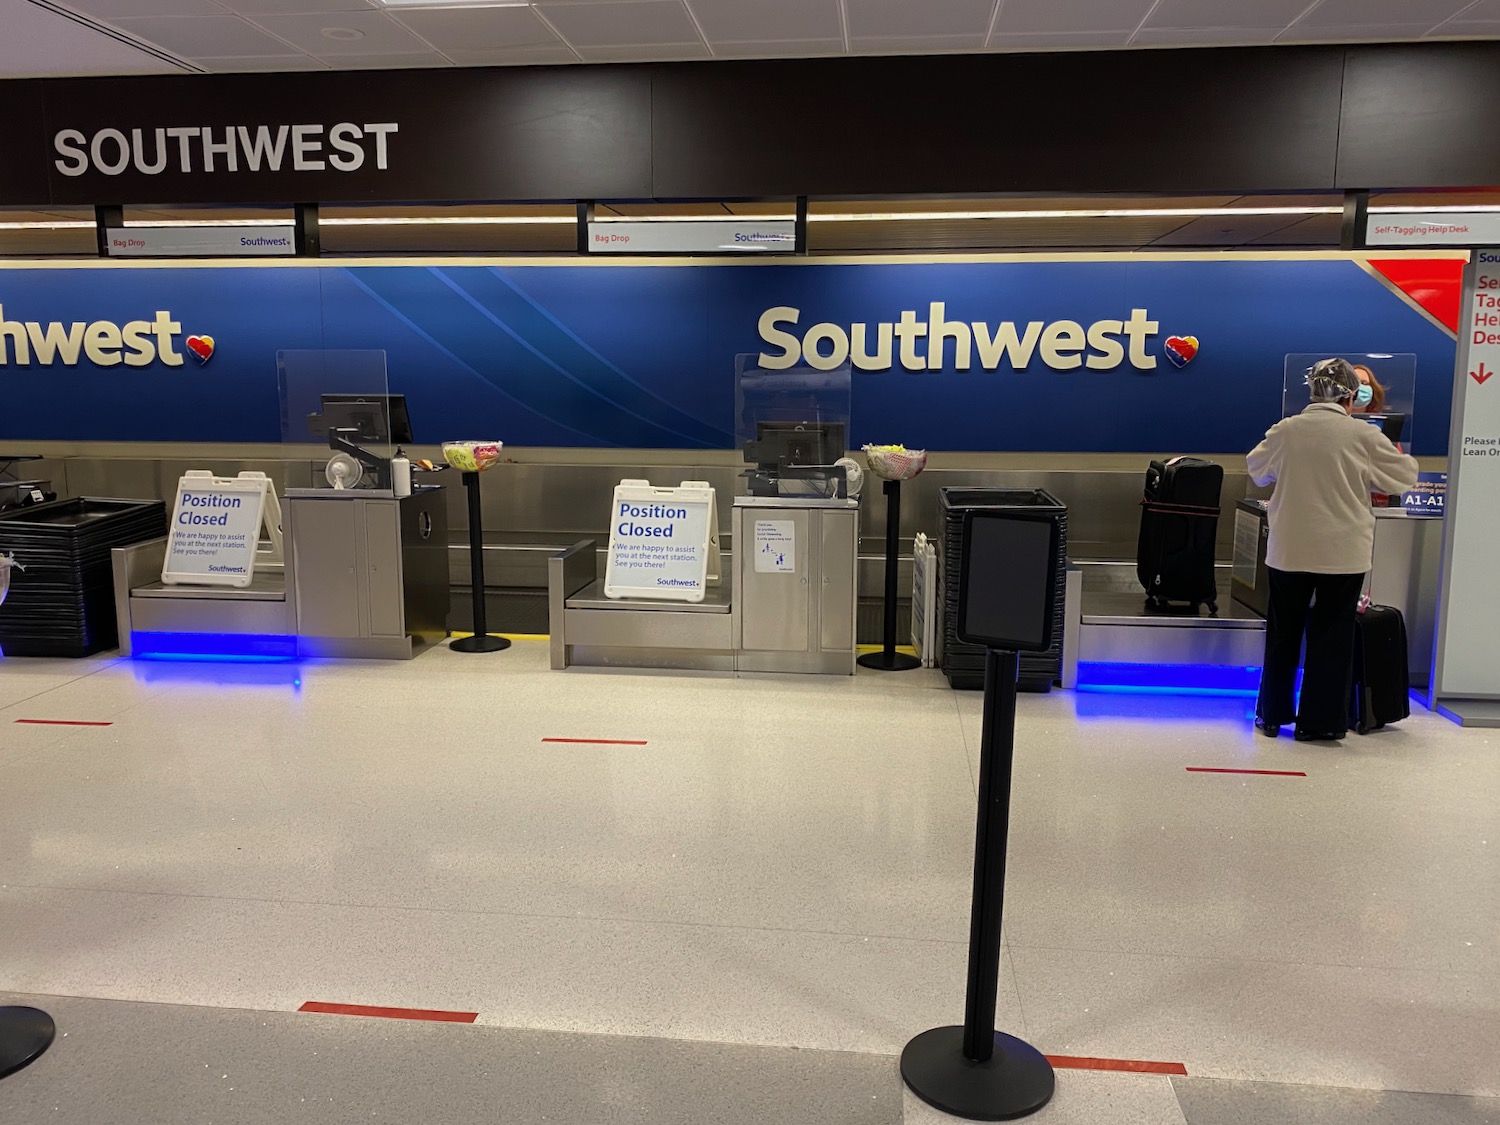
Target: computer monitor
[(370, 418), (793, 444), (1390, 425)]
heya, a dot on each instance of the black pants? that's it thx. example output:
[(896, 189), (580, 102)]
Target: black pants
[(1322, 606)]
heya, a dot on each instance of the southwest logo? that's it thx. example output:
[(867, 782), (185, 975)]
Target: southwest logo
[(202, 347), (1180, 349), (137, 343)]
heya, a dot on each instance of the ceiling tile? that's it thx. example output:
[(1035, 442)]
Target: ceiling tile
[(265, 7), (478, 29), (1204, 36), (779, 49), (134, 9), (37, 42), (1070, 15), (904, 44), (653, 52), (1349, 13), (202, 37), (1384, 32), (768, 20), (334, 33), (515, 56), (261, 63), (620, 23), (904, 19), (399, 61), (1225, 13), (1065, 40)]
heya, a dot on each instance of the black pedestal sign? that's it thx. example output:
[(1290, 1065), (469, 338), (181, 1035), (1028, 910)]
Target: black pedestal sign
[(1007, 585), (888, 659), (24, 1034), (482, 640)]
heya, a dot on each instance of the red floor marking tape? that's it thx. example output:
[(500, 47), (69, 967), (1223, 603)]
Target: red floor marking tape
[(1264, 773), (388, 1013), (63, 723), (1133, 1066), (600, 741)]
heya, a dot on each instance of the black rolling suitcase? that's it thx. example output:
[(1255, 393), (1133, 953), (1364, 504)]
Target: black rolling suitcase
[(1381, 685), (1179, 524)]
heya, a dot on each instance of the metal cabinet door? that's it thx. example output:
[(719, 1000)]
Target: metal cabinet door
[(328, 587), (836, 597), (774, 604), (387, 617)]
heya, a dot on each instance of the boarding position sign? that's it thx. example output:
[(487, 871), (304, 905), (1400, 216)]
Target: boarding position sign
[(659, 541)]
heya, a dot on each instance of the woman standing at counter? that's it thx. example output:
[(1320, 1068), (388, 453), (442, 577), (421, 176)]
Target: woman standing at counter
[(1324, 464)]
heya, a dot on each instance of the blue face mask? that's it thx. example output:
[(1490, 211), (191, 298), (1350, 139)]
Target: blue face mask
[(1364, 396)]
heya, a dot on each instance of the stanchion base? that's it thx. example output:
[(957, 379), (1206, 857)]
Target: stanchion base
[(1016, 1082), (24, 1034), (480, 642), (889, 662)]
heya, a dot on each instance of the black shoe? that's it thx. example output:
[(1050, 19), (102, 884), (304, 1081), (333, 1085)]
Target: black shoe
[(1267, 729), (1320, 735)]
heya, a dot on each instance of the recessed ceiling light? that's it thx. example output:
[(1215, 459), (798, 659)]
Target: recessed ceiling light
[(344, 34)]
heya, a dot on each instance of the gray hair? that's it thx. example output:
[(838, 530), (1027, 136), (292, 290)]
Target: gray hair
[(1332, 380)]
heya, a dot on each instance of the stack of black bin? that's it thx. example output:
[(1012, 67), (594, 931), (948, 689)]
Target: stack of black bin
[(63, 602), (964, 664)]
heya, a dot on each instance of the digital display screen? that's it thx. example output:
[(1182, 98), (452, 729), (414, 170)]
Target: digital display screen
[(1009, 576)]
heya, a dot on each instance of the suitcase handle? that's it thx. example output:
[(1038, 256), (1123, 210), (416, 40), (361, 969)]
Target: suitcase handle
[(1178, 509)]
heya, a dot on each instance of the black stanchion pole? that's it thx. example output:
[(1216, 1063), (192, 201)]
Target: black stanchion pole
[(24, 1034), (888, 659), (973, 1071), (481, 641)]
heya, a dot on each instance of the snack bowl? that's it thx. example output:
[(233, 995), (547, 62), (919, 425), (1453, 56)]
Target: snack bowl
[(895, 462), (472, 456)]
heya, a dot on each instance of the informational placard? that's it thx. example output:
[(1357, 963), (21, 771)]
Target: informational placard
[(660, 541), (1468, 657), (710, 236), (1429, 497), (202, 242), (216, 526), (1433, 228), (776, 546)]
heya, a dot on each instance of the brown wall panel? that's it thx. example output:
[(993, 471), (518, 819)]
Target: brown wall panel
[(1170, 121), (1421, 116), (23, 175)]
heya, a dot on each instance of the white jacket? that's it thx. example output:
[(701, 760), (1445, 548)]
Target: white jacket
[(1325, 464)]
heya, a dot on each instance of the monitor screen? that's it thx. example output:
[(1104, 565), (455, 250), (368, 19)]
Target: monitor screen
[(372, 418), (1008, 583), (781, 444)]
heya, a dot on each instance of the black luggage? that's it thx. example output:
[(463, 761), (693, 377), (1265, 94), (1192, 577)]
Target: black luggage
[(1179, 524), (1381, 685)]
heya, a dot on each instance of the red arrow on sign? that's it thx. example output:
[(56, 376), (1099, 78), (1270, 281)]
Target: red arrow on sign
[(1481, 375)]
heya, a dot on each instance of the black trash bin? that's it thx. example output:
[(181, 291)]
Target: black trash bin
[(63, 602), (964, 664)]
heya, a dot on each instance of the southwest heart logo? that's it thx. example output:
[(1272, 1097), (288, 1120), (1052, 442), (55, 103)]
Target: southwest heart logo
[(203, 347), (1181, 349)]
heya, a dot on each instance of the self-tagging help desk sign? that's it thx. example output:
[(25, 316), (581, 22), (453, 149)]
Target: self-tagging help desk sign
[(659, 541), (1468, 645)]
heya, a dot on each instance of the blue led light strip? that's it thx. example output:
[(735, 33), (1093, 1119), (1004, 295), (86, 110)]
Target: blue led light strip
[(231, 647)]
